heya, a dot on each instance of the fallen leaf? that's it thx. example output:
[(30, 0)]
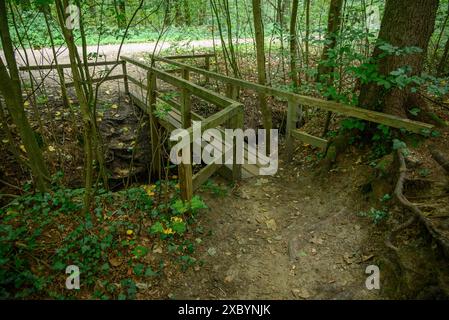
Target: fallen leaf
[(271, 224), (115, 261)]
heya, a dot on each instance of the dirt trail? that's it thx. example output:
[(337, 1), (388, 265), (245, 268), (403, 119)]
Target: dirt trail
[(109, 52), (290, 236)]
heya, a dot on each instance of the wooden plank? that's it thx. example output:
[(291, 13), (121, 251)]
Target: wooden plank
[(125, 76), (190, 56), (137, 63), (309, 139), (120, 76), (186, 103), (205, 173), (373, 116), (67, 65), (194, 89)]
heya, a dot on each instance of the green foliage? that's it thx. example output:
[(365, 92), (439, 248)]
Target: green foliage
[(41, 234), (376, 215), (216, 189)]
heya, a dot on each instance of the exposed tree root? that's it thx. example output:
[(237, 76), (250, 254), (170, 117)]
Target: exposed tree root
[(440, 158), (417, 213)]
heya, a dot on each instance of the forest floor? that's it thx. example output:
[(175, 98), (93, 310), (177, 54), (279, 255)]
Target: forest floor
[(290, 236)]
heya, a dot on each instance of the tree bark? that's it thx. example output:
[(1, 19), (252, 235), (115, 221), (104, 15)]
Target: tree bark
[(333, 28), (294, 45), (406, 23), (11, 90), (261, 69), (443, 62)]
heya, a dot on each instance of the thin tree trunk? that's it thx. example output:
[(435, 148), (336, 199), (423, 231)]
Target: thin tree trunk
[(261, 69), (333, 27), (11, 90), (82, 94), (294, 46), (307, 39), (443, 62)]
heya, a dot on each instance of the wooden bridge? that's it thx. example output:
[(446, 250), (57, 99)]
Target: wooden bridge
[(145, 93)]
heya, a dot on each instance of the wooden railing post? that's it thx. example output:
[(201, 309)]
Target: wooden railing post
[(154, 134), (237, 122), (125, 77), (185, 169), (207, 67), (291, 125)]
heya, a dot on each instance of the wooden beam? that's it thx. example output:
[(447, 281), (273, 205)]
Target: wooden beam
[(365, 114), (309, 139), (190, 56), (125, 77), (67, 65)]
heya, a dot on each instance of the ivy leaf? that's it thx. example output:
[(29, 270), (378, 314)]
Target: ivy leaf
[(157, 228), (414, 111)]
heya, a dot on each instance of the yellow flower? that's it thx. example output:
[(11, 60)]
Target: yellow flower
[(51, 149), (129, 232), (150, 189), (168, 231), (176, 219), (174, 177)]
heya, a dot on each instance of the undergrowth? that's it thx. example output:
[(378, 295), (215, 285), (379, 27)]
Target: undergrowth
[(117, 246)]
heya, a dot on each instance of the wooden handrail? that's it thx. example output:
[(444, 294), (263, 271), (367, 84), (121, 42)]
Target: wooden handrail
[(365, 114), (68, 65)]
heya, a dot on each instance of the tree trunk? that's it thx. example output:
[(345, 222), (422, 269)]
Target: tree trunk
[(294, 46), (306, 41), (333, 28), (120, 9), (261, 69), (443, 62), (406, 23), (11, 90), (82, 93)]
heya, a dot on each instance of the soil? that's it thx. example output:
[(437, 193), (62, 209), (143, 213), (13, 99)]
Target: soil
[(290, 236)]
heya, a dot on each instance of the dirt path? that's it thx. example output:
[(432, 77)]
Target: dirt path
[(290, 236), (110, 51)]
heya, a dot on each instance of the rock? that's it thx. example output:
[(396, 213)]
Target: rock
[(301, 293), (212, 251)]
